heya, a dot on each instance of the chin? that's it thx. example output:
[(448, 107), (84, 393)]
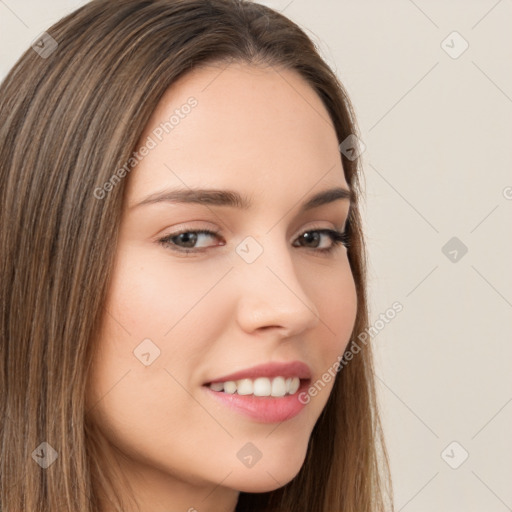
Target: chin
[(265, 483), (268, 477)]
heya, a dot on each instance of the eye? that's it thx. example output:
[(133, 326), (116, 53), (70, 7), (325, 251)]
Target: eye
[(190, 241), (185, 241), (314, 237)]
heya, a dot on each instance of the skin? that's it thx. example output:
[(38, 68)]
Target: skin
[(267, 135)]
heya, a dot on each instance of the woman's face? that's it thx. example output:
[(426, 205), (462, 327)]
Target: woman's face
[(257, 291)]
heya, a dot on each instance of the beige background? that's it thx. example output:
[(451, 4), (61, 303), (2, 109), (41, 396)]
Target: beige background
[(438, 159)]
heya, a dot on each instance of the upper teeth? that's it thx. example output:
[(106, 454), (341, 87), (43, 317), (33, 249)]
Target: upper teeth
[(262, 386)]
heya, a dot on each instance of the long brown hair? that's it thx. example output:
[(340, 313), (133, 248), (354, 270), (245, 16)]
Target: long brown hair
[(68, 119)]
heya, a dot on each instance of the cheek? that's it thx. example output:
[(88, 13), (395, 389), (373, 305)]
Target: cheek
[(335, 296), (342, 309), (146, 327), (154, 315), (160, 315), (173, 303)]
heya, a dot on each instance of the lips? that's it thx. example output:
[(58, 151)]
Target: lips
[(261, 409), (270, 370)]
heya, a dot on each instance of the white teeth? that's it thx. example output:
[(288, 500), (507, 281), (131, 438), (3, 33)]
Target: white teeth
[(279, 387), (217, 386), (262, 386), (244, 387), (229, 387), (292, 385)]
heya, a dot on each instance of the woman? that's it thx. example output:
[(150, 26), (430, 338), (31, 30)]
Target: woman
[(183, 270)]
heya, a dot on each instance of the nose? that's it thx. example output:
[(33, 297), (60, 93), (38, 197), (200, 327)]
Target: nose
[(271, 295)]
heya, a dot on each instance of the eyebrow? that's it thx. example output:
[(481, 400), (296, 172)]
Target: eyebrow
[(234, 199)]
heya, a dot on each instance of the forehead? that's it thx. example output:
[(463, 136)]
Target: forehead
[(239, 126)]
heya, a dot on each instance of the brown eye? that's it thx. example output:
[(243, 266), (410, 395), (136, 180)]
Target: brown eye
[(186, 241), (313, 237)]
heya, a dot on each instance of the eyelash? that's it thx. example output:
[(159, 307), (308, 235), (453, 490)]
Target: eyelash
[(337, 237)]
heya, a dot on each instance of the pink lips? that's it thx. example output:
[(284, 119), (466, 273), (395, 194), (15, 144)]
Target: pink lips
[(265, 409), (291, 369)]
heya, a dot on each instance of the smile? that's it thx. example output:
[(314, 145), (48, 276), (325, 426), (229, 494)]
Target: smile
[(261, 386)]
